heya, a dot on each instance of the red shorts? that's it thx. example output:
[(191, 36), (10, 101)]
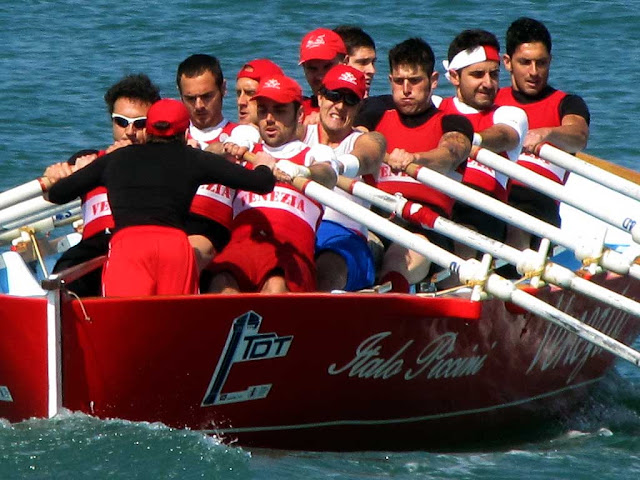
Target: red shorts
[(149, 260), (253, 260)]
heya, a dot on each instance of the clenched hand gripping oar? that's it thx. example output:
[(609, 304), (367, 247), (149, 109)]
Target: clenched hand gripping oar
[(528, 262), (469, 271)]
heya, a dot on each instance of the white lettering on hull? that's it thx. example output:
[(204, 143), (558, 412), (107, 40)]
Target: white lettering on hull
[(435, 360), (560, 348)]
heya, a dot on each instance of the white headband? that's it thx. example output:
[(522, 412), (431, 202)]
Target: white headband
[(468, 57)]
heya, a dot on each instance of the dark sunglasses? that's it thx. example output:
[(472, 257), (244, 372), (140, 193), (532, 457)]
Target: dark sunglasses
[(335, 96), (124, 122)]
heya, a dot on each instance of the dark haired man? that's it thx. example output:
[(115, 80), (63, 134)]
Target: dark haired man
[(361, 51), (202, 87), (128, 101), (320, 49), (151, 187), (473, 67), (554, 117), (416, 133)]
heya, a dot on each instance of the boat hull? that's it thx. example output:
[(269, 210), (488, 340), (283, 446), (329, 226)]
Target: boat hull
[(314, 371)]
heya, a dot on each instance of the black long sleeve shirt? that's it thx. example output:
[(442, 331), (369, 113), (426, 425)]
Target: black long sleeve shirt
[(154, 183)]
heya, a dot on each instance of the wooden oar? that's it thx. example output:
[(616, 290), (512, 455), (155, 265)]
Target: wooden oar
[(41, 225), (593, 172), (24, 192), (624, 220), (528, 261), (468, 270), (587, 250)]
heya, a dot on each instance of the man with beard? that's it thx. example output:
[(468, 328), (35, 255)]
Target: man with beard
[(272, 236), (473, 67)]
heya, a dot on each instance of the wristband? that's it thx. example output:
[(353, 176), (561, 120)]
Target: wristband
[(477, 139), (350, 163)]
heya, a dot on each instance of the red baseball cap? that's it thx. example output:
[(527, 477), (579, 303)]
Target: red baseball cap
[(345, 77), (321, 44), (167, 117), (259, 68), (280, 89)]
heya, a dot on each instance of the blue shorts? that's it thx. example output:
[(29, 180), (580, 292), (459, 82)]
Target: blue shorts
[(353, 248)]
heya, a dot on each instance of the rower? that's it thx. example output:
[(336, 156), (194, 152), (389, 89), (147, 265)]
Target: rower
[(202, 87), (272, 236), (554, 117), (128, 101), (361, 52), (344, 259), (320, 50), (416, 133), (247, 82), (150, 188), (473, 67)]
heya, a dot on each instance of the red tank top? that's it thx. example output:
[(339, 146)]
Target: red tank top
[(543, 113), (477, 174), (96, 211), (422, 138)]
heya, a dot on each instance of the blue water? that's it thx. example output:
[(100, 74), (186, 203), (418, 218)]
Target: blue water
[(58, 58)]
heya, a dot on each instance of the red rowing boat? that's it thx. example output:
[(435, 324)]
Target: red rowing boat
[(308, 371)]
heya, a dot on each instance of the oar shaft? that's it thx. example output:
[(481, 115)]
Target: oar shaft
[(624, 220), (29, 208), (23, 192), (619, 170), (590, 171), (552, 273), (610, 260), (495, 285)]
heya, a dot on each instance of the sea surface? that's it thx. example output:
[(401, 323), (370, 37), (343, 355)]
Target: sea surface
[(57, 58)]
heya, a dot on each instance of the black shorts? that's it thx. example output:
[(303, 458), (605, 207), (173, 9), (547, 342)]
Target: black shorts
[(535, 204), (480, 221), (215, 232)]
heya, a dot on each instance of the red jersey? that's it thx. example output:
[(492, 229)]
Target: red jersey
[(285, 213), (214, 201), (476, 174), (422, 138), (543, 113)]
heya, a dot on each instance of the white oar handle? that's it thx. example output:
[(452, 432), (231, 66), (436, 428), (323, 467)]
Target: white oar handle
[(590, 171), (24, 192)]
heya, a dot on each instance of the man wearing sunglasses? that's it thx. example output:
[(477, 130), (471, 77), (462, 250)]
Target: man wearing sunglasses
[(416, 133), (473, 67), (127, 103), (343, 258)]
